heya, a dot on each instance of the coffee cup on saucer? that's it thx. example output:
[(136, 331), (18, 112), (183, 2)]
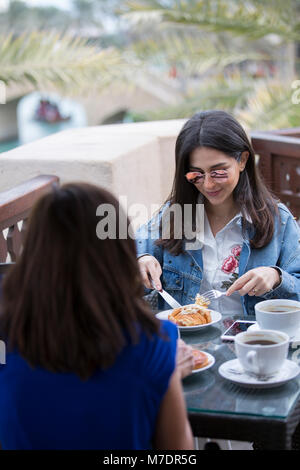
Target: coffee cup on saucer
[(278, 314), (263, 352)]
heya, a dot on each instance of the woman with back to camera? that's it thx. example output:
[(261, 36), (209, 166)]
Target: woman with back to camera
[(251, 244), (88, 366)]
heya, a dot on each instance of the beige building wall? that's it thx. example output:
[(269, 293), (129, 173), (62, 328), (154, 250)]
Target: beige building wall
[(134, 161)]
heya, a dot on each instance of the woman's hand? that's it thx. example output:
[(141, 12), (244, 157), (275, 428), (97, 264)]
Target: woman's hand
[(256, 282), (184, 359), (150, 269)]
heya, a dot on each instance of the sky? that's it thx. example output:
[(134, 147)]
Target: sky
[(64, 4), (108, 23)]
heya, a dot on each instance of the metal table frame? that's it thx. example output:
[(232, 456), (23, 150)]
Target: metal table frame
[(265, 433)]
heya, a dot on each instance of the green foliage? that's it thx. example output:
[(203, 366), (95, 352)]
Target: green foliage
[(69, 63), (218, 94), (192, 53), (212, 44), (270, 107), (253, 18), (20, 18)]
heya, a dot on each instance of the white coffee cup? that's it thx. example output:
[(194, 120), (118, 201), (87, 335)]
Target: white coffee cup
[(278, 314), (262, 359)]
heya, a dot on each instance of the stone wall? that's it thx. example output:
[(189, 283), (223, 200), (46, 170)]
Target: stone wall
[(135, 161)]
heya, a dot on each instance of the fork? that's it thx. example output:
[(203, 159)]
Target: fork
[(213, 294)]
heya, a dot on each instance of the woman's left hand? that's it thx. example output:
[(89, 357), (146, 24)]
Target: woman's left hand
[(184, 359), (256, 282)]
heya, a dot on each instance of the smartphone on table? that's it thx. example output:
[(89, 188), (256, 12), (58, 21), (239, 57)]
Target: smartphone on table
[(237, 327)]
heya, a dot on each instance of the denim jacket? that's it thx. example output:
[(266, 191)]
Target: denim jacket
[(182, 274)]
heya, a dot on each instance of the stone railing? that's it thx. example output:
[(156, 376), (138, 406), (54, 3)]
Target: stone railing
[(134, 161), (137, 161)]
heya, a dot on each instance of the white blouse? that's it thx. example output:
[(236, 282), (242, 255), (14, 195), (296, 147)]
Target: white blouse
[(221, 264)]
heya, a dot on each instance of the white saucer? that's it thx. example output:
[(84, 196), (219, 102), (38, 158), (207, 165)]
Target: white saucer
[(215, 318), (289, 371), (293, 339), (211, 361)]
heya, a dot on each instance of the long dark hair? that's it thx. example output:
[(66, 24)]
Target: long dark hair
[(219, 130), (73, 301)]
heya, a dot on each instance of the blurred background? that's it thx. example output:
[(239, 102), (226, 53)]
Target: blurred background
[(76, 63)]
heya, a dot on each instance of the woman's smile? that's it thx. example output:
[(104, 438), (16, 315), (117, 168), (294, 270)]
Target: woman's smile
[(212, 193)]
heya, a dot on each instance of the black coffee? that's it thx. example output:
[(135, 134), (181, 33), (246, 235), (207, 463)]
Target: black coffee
[(261, 342), (280, 309)]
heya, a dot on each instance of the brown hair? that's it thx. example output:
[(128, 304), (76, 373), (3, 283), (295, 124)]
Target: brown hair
[(73, 301), (219, 130)]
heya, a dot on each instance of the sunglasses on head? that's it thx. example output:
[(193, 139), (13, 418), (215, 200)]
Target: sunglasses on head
[(198, 177)]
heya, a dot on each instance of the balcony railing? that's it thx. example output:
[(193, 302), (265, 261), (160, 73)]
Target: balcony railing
[(135, 161), (15, 206), (279, 163)]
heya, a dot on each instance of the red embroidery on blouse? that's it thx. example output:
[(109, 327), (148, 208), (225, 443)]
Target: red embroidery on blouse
[(229, 266)]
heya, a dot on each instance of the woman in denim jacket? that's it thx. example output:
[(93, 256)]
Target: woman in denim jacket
[(244, 242)]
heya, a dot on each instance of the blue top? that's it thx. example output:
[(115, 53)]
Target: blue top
[(182, 274), (114, 409)]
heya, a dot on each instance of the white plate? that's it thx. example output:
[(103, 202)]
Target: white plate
[(211, 361), (215, 317), (293, 339), (289, 371)]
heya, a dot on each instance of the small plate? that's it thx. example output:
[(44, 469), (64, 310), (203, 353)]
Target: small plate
[(215, 317), (293, 339), (211, 361), (289, 371)]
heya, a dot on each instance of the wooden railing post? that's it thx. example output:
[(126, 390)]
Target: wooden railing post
[(15, 206), (279, 164)]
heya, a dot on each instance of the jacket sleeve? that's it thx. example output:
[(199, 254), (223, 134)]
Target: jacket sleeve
[(145, 239), (289, 263)]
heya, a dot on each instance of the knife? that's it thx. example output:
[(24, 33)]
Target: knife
[(167, 297)]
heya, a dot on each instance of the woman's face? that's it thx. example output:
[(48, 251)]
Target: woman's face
[(221, 174)]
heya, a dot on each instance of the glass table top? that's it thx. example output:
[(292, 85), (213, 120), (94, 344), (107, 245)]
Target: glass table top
[(209, 392)]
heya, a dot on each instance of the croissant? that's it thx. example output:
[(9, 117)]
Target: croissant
[(190, 315), (202, 301)]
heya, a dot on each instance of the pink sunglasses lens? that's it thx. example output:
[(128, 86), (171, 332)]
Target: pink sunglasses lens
[(219, 174), (193, 177)]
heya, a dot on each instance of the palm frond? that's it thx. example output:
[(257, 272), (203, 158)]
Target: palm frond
[(270, 106), (42, 59), (252, 18), (256, 104), (227, 94), (190, 53), (259, 103)]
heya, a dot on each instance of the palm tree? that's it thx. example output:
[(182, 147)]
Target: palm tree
[(219, 41), (252, 18), (43, 59)]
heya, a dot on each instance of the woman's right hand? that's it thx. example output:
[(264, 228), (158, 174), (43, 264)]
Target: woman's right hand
[(150, 269)]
